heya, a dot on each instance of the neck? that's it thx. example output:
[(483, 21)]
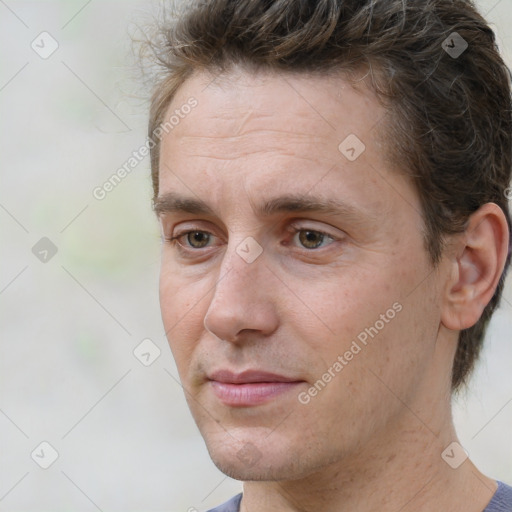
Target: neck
[(401, 469)]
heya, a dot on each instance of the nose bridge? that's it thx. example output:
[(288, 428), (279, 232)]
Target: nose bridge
[(238, 273), (235, 273), (243, 262), (238, 301)]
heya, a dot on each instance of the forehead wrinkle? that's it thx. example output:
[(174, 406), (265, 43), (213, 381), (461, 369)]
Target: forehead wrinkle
[(304, 146), (272, 132)]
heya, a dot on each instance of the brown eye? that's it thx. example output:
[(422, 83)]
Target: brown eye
[(311, 239), (197, 239)]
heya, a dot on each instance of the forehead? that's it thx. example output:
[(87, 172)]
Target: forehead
[(310, 105), (268, 131)]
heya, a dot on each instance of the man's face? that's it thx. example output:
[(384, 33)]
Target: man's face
[(298, 333)]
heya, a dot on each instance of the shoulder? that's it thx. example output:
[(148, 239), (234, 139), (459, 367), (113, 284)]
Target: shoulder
[(233, 505), (502, 499)]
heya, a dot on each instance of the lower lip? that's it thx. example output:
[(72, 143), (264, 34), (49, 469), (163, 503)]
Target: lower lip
[(255, 393)]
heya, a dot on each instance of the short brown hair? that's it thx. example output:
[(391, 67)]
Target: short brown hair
[(450, 117)]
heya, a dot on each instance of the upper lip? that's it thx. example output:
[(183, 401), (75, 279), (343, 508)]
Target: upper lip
[(248, 376)]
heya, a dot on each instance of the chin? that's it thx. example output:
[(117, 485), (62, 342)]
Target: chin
[(241, 472), (258, 460), (265, 469)]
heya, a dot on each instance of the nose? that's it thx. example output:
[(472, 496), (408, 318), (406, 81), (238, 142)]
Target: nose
[(243, 302)]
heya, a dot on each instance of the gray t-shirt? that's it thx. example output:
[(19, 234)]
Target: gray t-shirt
[(501, 501)]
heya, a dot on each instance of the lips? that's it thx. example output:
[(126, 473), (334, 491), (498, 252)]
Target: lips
[(248, 377), (249, 388)]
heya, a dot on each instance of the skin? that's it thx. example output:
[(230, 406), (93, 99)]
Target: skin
[(372, 438)]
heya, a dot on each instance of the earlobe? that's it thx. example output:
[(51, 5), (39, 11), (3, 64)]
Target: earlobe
[(477, 268)]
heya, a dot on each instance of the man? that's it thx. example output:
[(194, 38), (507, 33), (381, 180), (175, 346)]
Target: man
[(331, 182)]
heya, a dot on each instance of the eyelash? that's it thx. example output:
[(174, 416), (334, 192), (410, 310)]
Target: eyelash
[(174, 240)]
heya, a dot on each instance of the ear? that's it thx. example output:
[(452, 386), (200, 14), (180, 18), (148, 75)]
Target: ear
[(475, 267)]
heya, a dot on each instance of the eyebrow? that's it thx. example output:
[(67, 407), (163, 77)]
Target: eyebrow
[(172, 202)]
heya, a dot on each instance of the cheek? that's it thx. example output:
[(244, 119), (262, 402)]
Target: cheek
[(389, 346), (182, 304), (363, 378), (180, 293), (344, 307), (366, 318)]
